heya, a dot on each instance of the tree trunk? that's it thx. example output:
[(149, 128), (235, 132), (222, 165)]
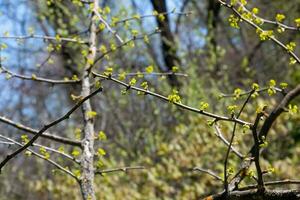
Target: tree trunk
[(167, 40), (213, 11), (87, 159)]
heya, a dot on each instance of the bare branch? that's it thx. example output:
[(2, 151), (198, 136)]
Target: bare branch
[(6, 143), (272, 183), (258, 91), (58, 152), (44, 135), (276, 41), (121, 169), (38, 79), (279, 24), (263, 132), (180, 105), (58, 166), (46, 127), (257, 143), (43, 37), (113, 32), (208, 172), (223, 139), (153, 15), (152, 74), (231, 141), (140, 37), (254, 195), (278, 110)]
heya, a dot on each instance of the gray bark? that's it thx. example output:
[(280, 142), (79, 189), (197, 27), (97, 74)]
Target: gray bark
[(87, 159)]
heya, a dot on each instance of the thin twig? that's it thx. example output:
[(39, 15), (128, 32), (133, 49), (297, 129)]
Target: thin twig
[(44, 135), (180, 105), (46, 127), (38, 79), (152, 15), (276, 112), (43, 37), (280, 24), (258, 91), (223, 139), (231, 141), (121, 169), (58, 152), (208, 172), (152, 74), (124, 44), (291, 53), (6, 143), (113, 32), (42, 157)]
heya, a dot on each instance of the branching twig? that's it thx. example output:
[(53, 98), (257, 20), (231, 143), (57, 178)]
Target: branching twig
[(43, 37), (280, 24), (258, 91), (46, 127), (231, 141), (152, 74), (263, 133), (180, 105), (220, 135), (140, 37), (44, 135), (39, 79), (152, 15), (42, 157), (121, 169), (208, 172), (235, 11), (114, 33), (58, 152)]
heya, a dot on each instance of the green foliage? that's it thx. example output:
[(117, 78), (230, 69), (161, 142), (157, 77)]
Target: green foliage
[(233, 21), (203, 106), (149, 69), (75, 152), (102, 136), (174, 97), (280, 17), (24, 139), (91, 114), (44, 152)]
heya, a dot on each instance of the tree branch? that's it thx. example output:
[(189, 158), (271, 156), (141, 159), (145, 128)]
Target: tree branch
[(38, 79), (276, 41), (220, 135), (44, 135), (121, 169), (254, 195), (263, 132), (180, 105), (58, 166), (231, 141), (46, 127), (208, 172)]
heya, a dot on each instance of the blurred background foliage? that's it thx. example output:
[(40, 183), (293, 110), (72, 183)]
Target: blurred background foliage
[(142, 130)]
